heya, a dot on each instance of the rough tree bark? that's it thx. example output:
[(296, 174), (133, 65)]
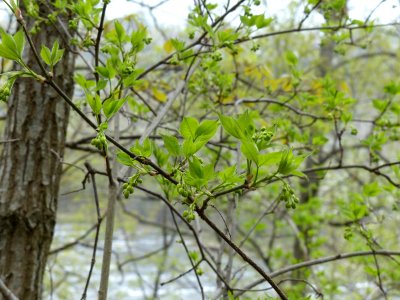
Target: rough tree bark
[(30, 168)]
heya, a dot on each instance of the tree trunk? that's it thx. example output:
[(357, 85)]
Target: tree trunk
[(30, 169)]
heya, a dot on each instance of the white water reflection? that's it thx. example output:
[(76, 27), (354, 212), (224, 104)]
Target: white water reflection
[(68, 269)]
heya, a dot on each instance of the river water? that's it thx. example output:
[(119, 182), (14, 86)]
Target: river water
[(67, 270)]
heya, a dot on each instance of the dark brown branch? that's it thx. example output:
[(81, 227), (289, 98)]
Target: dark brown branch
[(243, 255)]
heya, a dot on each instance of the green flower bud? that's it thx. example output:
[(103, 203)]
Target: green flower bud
[(73, 24)]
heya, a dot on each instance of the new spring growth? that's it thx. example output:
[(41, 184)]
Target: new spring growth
[(287, 195), (4, 93), (128, 187), (100, 141), (183, 190), (263, 134), (189, 213), (5, 90), (263, 137)]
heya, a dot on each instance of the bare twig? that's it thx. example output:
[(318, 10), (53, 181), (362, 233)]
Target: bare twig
[(6, 292), (99, 219), (243, 255), (319, 261)]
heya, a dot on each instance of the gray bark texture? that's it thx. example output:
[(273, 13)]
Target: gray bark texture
[(30, 168)]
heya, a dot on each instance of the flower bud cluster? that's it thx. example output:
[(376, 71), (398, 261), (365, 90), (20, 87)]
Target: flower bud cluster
[(5, 92), (183, 190), (287, 195), (189, 213), (262, 135), (216, 56), (128, 187), (100, 142)]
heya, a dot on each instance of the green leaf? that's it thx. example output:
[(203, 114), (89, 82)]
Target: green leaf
[(12, 47), (101, 84), (171, 144), (267, 159), (143, 150), (125, 159), (80, 79), (188, 128), (206, 129), (9, 43), (147, 148), (94, 102), (196, 168), (289, 163), (103, 71), (379, 104), (371, 190), (392, 88), (298, 174), (137, 39), (161, 156), (231, 126), (177, 44), (229, 175), (319, 140), (188, 148), (7, 53), (111, 106), (119, 29), (199, 175), (45, 55), (19, 39), (56, 53), (246, 124), (248, 21), (249, 149), (291, 58), (261, 21)]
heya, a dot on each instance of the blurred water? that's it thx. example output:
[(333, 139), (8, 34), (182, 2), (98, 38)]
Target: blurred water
[(67, 271)]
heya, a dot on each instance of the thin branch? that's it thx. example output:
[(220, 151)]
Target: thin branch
[(6, 292), (194, 266), (320, 261), (373, 10), (99, 219), (308, 14), (77, 241), (243, 255), (290, 107), (378, 275), (317, 28), (171, 99), (363, 167)]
